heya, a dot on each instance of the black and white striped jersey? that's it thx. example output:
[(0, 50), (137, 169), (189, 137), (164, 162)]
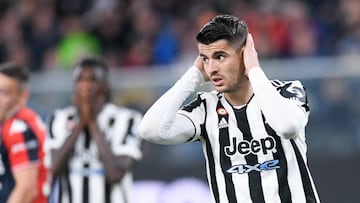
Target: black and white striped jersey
[(247, 160), (254, 153), (84, 180)]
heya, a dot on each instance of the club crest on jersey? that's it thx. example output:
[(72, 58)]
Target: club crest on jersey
[(223, 123), (222, 111)]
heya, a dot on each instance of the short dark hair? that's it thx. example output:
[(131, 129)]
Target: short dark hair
[(96, 63), (225, 27), (19, 72)]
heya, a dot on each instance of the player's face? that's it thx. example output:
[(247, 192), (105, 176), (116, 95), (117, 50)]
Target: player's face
[(223, 65), (87, 85), (11, 96)]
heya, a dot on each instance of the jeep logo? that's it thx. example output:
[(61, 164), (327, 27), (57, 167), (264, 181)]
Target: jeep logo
[(264, 145)]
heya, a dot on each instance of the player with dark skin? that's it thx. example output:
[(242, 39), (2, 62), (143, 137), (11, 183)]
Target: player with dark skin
[(89, 96)]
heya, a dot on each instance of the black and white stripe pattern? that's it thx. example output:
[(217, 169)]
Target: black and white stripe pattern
[(84, 179), (247, 161)]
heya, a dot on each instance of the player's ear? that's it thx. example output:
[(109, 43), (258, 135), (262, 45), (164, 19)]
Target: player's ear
[(243, 44), (241, 53), (24, 96), (245, 40)]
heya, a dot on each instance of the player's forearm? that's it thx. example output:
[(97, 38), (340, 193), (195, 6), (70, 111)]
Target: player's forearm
[(61, 155), (23, 195), (113, 169), (283, 115), (159, 119)]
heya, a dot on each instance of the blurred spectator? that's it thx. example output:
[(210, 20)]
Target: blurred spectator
[(349, 43), (145, 25), (11, 40), (19, 53), (139, 53), (189, 24), (302, 32), (71, 7), (109, 21), (270, 31), (166, 47), (42, 35), (76, 42), (326, 15), (154, 32)]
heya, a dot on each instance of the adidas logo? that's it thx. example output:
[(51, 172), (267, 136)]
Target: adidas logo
[(223, 123)]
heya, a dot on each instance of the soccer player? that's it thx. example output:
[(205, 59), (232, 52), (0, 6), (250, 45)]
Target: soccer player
[(93, 143), (252, 129), (23, 176)]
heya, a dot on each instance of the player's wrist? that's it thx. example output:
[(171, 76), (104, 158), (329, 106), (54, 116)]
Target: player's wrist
[(252, 70), (196, 71)]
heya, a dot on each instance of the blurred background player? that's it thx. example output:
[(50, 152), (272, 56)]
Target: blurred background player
[(93, 143), (252, 129), (23, 176)]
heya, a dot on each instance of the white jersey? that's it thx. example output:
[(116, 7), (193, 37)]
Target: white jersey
[(84, 179), (249, 155), (242, 149)]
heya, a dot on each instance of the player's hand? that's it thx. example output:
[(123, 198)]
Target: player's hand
[(84, 107), (250, 55), (199, 63)]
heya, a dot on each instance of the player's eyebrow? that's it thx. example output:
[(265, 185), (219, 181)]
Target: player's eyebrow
[(203, 55), (217, 53), (214, 55)]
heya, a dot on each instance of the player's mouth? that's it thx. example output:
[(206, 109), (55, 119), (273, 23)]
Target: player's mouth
[(217, 81)]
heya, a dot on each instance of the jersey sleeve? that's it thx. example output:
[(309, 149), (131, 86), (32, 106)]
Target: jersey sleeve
[(164, 123), (22, 144), (58, 126), (294, 91), (195, 113), (284, 106), (130, 143)]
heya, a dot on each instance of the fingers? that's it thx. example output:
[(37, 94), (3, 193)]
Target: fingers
[(250, 41), (250, 55), (199, 63)]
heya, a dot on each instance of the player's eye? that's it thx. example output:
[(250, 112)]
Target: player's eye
[(219, 57), (206, 60)]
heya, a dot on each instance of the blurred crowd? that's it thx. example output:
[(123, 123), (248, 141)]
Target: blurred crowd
[(52, 34)]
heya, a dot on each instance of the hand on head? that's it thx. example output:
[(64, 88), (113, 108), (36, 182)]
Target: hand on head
[(251, 59), (199, 63)]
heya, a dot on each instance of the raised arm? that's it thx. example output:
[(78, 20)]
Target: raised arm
[(285, 116), (161, 123)]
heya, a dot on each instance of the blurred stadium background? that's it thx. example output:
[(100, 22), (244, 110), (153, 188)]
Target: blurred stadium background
[(150, 43)]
